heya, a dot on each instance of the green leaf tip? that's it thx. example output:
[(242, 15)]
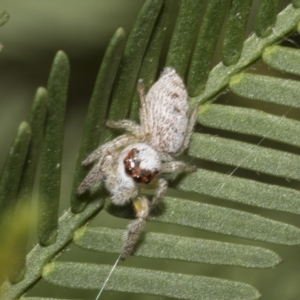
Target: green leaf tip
[(4, 17)]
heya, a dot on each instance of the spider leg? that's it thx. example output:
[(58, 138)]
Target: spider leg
[(135, 227), (95, 175), (176, 166), (128, 125), (159, 192), (189, 130), (143, 108), (108, 147)]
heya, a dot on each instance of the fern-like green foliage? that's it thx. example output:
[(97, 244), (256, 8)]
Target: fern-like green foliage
[(223, 139)]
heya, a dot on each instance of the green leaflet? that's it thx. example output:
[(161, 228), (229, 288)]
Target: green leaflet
[(36, 120), (266, 17), (267, 89), (52, 150), (205, 46), (235, 28), (250, 121), (142, 281), (227, 221), (283, 59), (245, 155), (11, 176), (184, 35), (233, 188), (166, 246)]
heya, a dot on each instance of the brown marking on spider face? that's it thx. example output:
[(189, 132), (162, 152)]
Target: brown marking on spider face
[(133, 169)]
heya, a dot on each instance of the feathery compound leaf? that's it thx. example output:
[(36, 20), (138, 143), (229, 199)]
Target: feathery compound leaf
[(95, 120), (52, 150), (157, 245), (179, 286), (250, 121), (141, 57)]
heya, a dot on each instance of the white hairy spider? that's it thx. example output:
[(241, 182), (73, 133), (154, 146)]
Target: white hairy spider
[(134, 160)]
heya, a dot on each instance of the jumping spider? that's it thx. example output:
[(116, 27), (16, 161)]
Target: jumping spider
[(140, 157)]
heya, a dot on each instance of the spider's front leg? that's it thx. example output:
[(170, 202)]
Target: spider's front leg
[(159, 192), (141, 208), (108, 147), (177, 167), (169, 167)]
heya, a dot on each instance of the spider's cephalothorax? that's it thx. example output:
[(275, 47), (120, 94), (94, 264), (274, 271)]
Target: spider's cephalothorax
[(144, 154)]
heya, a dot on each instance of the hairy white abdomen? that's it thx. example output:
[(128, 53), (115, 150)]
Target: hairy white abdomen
[(167, 110)]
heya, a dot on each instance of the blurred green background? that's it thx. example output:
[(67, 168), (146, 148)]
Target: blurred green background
[(35, 32)]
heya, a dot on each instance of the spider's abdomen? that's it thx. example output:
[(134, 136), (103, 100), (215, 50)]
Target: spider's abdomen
[(167, 110)]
